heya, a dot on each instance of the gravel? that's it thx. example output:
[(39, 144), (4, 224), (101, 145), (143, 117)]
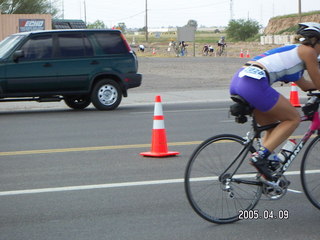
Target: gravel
[(187, 73)]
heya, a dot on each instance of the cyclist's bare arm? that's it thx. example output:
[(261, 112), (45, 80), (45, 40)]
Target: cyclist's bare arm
[(309, 56), (305, 85)]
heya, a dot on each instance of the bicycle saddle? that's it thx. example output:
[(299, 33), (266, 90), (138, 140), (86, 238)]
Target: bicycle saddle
[(238, 99), (240, 108)]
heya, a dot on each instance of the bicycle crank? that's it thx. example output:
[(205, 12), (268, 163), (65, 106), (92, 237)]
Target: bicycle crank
[(275, 190)]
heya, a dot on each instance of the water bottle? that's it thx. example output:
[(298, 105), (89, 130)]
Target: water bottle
[(286, 150)]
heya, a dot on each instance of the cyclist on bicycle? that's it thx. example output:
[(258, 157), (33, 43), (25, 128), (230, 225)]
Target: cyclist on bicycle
[(221, 44), (205, 50), (285, 64)]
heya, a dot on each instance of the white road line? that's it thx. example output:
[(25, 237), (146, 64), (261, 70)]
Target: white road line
[(294, 191), (125, 184), (187, 110), (90, 187)]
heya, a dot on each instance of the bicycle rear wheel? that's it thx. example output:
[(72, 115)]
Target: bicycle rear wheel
[(310, 172), (212, 191)]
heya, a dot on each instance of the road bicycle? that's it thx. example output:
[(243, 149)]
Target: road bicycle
[(221, 49), (220, 184)]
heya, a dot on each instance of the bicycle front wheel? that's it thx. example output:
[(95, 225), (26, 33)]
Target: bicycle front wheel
[(212, 189), (310, 172)]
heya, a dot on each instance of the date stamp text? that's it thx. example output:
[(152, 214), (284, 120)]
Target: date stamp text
[(255, 214)]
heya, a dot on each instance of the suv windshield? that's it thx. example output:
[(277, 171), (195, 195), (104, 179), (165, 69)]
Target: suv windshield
[(8, 43)]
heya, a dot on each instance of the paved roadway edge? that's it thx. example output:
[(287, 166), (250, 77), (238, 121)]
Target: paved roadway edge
[(147, 98)]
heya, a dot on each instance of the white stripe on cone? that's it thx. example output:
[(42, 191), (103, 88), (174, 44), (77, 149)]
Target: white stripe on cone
[(158, 124)]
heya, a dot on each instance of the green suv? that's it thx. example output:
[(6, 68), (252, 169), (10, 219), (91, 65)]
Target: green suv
[(77, 66)]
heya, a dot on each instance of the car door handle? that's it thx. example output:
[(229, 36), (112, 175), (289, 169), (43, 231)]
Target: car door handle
[(94, 62), (47, 65)]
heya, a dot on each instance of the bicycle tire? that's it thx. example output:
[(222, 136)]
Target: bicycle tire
[(206, 193), (221, 50), (310, 172)]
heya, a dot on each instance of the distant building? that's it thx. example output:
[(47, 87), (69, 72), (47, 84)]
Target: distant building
[(68, 24), (162, 30), (14, 23)]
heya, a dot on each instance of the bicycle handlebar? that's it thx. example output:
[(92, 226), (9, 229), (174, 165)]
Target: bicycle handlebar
[(312, 93)]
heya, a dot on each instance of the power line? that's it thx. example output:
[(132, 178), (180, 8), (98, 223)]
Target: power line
[(194, 7), (171, 9), (132, 16)]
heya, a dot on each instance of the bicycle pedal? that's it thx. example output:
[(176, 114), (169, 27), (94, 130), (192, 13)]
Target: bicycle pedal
[(284, 183)]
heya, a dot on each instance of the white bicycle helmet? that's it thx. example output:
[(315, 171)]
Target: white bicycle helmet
[(309, 30)]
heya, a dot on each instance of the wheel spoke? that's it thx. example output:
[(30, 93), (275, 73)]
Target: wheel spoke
[(213, 196), (310, 172)]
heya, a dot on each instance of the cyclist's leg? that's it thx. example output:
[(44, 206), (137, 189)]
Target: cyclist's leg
[(269, 106), (284, 112)]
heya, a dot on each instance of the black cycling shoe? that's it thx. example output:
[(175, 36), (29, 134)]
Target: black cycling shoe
[(262, 165)]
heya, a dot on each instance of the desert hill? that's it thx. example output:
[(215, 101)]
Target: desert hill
[(278, 25)]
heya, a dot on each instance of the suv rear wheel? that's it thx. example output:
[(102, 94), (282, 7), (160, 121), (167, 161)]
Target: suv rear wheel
[(77, 102), (106, 94)]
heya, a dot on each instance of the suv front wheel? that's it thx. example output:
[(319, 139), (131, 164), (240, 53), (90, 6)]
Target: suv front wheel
[(106, 94)]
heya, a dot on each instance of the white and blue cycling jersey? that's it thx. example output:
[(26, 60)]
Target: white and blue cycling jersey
[(283, 64)]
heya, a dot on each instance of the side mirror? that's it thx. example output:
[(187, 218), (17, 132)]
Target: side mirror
[(17, 54)]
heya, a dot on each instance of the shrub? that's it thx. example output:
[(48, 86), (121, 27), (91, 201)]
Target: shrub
[(241, 30)]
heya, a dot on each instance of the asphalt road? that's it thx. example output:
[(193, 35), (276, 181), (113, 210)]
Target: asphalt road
[(78, 175)]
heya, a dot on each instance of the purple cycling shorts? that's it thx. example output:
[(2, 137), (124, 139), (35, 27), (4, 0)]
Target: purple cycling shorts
[(257, 92)]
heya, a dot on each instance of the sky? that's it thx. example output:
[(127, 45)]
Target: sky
[(165, 13)]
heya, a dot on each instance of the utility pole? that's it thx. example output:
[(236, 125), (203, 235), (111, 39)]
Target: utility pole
[(299, 7), (85, 12), (62, 3), (147, 21), (231, 9)]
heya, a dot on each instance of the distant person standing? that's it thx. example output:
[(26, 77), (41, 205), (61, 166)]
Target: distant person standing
[(211, 50), (205, 50), (141, 48), (182, 46)]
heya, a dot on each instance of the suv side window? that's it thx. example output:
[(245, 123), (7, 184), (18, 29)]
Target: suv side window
[(110, 43), (37, 48), (74, 45)]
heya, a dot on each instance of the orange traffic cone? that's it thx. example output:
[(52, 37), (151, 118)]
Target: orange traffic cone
[(159, 146), (241, 54), (247, 55), (294, 96)]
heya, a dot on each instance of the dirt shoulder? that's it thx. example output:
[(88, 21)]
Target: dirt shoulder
[(187, 73)]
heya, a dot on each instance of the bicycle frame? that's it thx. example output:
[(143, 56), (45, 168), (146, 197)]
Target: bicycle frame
[(314, 126), (219, 183)]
